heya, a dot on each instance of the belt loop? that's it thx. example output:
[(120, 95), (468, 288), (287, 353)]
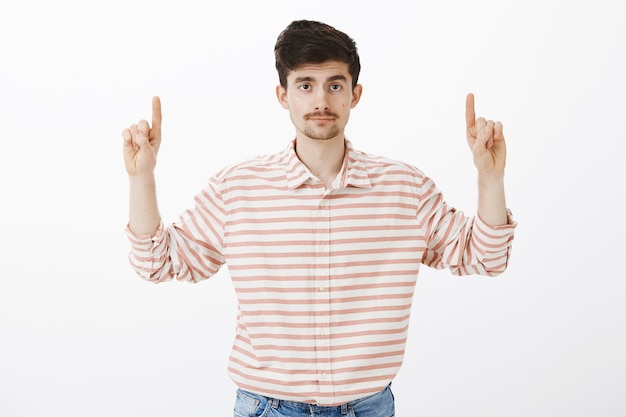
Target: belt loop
[(344, 409), (275, 403)]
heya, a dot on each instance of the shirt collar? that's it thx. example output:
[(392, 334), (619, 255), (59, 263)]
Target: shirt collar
[(353, 171)]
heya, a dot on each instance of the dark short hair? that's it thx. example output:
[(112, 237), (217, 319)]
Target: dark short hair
[(311, 42)]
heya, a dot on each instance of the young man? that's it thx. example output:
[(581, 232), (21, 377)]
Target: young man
[(323, 242)]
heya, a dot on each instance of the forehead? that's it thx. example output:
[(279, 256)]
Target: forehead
[(320, 72)]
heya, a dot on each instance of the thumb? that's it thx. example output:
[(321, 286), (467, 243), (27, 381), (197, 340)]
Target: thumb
[(138, 137), (484, 137)]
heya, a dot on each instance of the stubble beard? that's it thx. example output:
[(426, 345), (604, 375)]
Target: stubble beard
[(322, 132)]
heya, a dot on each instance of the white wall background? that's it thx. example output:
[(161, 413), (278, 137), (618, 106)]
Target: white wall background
[(81, 335)]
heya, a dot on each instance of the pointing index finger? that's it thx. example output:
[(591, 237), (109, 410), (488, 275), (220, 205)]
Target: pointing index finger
[(470, 114), (156, 113)]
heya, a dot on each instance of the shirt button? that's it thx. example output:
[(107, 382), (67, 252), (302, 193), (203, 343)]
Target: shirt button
[(322, 289), (322, 332)]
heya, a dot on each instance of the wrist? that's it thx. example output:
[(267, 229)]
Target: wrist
[(142, 179), (494, 177)]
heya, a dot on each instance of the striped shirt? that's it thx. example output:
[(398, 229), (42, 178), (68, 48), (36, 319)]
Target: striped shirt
[(324, 279)]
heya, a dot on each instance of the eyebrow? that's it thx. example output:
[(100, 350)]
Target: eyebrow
[(333, 78)]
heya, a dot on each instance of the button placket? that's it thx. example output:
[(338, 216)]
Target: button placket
[(322, 294)]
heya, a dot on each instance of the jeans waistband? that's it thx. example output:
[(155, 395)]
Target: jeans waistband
[(306, 407)]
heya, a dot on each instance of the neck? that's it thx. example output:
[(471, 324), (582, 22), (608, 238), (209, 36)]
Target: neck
[(322, 157)]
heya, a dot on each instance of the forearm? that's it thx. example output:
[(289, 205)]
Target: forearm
[(491, 200), (467, 245), (144, 215)]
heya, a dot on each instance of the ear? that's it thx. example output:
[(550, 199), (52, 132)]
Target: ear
[(281, 95), (356, 95)]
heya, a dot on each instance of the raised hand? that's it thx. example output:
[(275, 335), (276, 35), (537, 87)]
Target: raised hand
[(486, 141), (142, 142)]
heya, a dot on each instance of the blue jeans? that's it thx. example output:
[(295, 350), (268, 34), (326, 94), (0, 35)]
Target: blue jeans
[(249, 404)]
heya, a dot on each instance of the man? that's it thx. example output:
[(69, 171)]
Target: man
[(323, 242)]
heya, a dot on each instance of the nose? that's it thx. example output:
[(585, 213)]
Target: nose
[(321, 100)]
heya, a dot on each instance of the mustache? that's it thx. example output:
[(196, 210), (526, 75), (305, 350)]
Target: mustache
[(321, 114)]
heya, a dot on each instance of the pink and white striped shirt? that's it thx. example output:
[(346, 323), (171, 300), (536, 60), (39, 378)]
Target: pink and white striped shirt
[(324, 278)]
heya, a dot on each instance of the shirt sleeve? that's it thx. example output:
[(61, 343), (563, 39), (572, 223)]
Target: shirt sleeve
[(189, 249), (465, 245)]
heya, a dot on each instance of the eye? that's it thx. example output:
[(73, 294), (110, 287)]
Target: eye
[(304, 87), (335, 87)]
